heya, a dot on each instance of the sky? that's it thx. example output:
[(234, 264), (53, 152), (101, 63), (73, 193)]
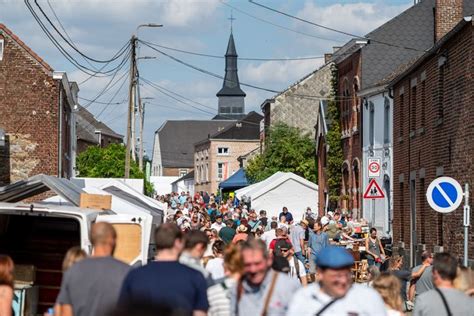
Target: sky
[(99, 28)]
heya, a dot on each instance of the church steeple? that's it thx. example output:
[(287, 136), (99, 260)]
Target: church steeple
[(231, 85), (231, 97)]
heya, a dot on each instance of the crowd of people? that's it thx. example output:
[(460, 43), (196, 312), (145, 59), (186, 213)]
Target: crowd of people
[(221, 258)]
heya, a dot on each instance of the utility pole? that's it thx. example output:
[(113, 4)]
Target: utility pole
[(131, 105)]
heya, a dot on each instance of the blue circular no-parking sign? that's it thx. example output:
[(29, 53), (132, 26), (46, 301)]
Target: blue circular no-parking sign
[(444, 194)]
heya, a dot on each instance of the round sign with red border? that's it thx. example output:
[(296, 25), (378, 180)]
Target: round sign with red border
[(374, 167)]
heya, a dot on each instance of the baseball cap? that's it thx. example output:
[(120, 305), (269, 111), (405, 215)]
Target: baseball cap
[(334, 258)]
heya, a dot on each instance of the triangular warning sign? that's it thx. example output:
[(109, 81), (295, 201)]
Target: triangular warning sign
[(373, 191)]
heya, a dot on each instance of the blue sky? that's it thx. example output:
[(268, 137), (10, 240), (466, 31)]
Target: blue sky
[(100, 27)]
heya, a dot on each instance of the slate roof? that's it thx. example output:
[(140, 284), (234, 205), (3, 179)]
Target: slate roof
[(177, 139), (414, 64), (413, 28), (229, 116), (87, 125), (231, 85), (246, 129)]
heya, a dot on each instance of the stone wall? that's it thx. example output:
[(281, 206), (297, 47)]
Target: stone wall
[(298, 105)]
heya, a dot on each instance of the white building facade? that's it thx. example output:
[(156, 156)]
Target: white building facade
[(377, 118)]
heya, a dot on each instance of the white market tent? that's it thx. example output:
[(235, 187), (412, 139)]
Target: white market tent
[(279, 190)]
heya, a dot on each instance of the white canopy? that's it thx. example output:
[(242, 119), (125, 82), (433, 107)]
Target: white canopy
[(279, 190)]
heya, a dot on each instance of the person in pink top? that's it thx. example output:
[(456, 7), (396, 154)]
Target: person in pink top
[(241, 234)]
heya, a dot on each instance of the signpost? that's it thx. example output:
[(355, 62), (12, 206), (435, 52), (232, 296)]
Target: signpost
[(373, 191), (445, 195), (373, 165)]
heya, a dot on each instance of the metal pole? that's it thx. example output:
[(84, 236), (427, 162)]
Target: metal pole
[(373, 213), (131, 106), (467, 215)]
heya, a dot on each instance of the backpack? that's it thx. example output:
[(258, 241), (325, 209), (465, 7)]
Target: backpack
[(280, 243)]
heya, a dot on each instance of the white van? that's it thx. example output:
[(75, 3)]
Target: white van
[(40, 234)]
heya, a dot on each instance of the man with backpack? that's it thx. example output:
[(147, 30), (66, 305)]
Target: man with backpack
[(296, 267)]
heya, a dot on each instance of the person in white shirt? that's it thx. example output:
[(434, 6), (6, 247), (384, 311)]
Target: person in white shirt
[(268, 236), (334, 293), (218, 224), (215, 266)]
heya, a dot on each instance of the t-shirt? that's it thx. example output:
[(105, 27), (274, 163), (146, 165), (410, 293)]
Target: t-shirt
[(431, 304), (268, 236), (289, 217), (253, 298), (317, 241), (360, 300), (167, 283), (425, 282), (219, 298), (403, 276), (218, 226), (216, 268), (92, 285), (296, 233), (227, 234), (293, 272)]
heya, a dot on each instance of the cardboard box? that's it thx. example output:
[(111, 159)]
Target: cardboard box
[(95, 201)]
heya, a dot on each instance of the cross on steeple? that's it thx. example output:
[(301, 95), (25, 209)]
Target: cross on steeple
[(231, 19)]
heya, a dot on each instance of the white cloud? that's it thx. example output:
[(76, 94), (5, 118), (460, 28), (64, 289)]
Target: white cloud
[(279, 72), (355, 18)]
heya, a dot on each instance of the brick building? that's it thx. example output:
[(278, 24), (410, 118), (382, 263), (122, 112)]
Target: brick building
[(216, 158), (433, 136), (37, 129)]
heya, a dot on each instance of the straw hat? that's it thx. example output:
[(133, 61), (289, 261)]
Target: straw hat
[(242, 229)]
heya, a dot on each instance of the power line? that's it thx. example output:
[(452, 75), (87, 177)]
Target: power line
[(71, 44), (105, 103), (107, 87), (63, 51), (240, 58), (277, 25), (242, 83), (330, 28), (113, 97)]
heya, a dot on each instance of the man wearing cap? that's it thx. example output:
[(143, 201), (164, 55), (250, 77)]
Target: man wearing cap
[(297, 239), (334, 293)]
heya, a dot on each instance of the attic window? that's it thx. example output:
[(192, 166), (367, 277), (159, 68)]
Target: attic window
[(222, 151), (1, 48)]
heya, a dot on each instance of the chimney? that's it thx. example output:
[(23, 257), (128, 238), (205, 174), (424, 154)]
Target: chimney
[(447, 14), (327, 58)]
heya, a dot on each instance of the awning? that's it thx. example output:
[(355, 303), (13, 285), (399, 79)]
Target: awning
[(236, 181), (32, 186)]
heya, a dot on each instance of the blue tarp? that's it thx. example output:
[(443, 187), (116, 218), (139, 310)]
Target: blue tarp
[(236, 181)]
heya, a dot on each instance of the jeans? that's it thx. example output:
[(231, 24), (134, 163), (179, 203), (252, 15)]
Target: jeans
[(299, 256), (372, 262), (312, 264)]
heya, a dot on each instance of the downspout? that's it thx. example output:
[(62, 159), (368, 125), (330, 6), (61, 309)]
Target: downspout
[(60, 133)]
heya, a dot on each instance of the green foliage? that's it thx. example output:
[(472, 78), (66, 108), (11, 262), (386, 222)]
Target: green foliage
[(108, 162), (287, 149), (333, 140)]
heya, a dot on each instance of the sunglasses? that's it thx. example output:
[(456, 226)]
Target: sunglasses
[(284, 250)]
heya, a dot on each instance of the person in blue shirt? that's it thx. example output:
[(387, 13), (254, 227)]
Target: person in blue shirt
[(166, 282), (318, 240), (289, 217)]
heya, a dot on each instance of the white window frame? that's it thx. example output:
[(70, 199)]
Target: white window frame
[(2, 48), (225, 151), (220, 174)]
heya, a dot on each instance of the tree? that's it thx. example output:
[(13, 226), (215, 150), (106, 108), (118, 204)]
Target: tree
[(333, 140), (108, 162), (287, 149)]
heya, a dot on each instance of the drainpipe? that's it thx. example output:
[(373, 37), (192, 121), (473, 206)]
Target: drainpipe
[(60, 133)]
